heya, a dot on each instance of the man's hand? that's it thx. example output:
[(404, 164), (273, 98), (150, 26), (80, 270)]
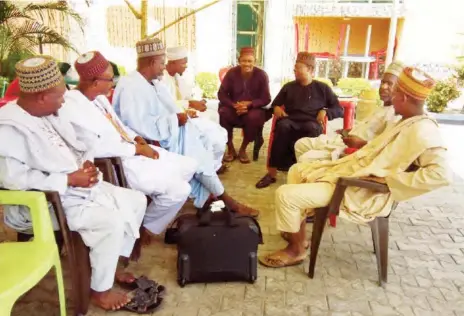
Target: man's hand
[(146, 151), (343, 132), (242, 107), (139, 140), (321, 116), (182, 118), (198, 105), (85, 177), (191, 113), (279, 112), (374, 179), (354, 142)]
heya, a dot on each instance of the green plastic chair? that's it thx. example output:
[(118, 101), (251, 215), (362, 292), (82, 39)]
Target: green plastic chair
[(24, 264)]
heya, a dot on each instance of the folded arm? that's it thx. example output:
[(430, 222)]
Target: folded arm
[(432, 173), (224, 91)]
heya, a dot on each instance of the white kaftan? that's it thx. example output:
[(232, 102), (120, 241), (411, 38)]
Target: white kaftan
[(414, 141), (165, 180), (329, 147), (149, 109), (182, 92), (39, 154)]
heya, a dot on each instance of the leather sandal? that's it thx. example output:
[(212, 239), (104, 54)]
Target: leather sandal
[(265, 181)]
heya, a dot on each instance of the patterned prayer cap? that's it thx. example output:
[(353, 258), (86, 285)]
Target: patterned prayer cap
[(176, 53), (415, 83), (90, 65), (150, 47), (38, 73), (306, 58), (247, 51), (395, 68)]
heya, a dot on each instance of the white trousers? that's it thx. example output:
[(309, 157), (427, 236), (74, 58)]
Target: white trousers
[(104, 229), (294, 200), (165, 180)]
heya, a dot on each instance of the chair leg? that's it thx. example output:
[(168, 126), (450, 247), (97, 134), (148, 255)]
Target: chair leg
[(383, 232), (60, 285), (333, 220), (374, 236), (82, 270), (259, 141), (320, 219)]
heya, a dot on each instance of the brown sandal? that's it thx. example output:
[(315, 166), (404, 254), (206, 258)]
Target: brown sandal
[(228, 157), (280, 259), (244, 158), (265, 181)]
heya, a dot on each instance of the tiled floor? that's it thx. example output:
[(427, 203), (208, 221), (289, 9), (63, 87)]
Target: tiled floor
[(426, 274)]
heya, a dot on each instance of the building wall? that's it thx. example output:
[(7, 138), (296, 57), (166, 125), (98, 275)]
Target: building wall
[(325, 32)]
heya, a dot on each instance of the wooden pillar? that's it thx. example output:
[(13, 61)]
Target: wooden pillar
[(143, 18), (392, 33)]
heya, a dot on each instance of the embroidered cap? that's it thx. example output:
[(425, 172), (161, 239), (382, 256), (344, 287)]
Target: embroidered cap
[(395, 68), (306, 58), (90, 65), (38, 73), (415, 83), (150, 47), (247, 51)]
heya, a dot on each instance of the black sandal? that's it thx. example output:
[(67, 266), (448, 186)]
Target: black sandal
[(143, 283), (265, 181), (143, 302)]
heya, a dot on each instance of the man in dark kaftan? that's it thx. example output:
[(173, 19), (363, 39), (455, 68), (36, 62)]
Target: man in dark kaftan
[(243, 94), (300, 109)]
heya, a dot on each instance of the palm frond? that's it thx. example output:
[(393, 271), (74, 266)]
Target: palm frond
[(46, 12), (10, 11)]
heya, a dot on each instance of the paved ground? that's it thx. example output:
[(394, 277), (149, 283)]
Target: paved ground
[(426, 274)]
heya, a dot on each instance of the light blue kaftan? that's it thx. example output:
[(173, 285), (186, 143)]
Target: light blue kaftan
[(150, 110)]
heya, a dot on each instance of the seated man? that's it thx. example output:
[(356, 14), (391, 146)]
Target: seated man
[(300, 109), (180, 89), (145, 105), (330, 147), (243, 94), (162, 175), (409, 157), (42, 153)]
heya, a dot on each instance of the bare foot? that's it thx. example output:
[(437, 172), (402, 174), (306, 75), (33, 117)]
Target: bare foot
[(285, 236), (124, 277), (222, 169), (246, 210), (230, 155), (109, 300)]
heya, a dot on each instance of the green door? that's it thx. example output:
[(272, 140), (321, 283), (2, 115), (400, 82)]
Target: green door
[(250, 26)]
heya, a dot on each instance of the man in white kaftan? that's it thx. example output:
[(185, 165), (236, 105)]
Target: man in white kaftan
[(145, 105), (165, 178), (42, 153), (409, 157), (182, 90), (330, 147)]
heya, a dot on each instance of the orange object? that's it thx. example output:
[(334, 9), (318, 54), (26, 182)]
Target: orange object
[(349, 151), (13, 89), (349, 106)]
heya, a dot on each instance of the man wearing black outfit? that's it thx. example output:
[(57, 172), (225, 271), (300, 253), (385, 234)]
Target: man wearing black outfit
[(300, 109)]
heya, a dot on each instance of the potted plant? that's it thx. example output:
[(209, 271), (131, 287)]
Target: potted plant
[(444, 92)]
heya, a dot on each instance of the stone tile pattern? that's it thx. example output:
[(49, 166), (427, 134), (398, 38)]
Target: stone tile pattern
[(426, 268)]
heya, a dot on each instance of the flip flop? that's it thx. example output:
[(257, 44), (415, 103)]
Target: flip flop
[(143, 302), (244, 159), (285, 237), (280, 259), (223, 169), (143, 283), (265, 181), (228, 157)]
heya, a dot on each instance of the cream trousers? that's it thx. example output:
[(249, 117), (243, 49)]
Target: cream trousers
[(295, 200)]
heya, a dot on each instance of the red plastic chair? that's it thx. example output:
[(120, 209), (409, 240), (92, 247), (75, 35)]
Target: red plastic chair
[(5, 100)]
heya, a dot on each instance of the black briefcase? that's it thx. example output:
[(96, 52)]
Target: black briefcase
[(217, 247)]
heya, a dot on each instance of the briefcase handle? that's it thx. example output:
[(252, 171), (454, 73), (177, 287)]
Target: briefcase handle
[(205, 217)]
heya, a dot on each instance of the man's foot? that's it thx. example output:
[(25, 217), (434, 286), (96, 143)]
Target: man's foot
[(223, 169), (282, 258), (110, 300), (286, 236), (123, 277), (246, 210), (243, 157), (265, 181), (230, 155)]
